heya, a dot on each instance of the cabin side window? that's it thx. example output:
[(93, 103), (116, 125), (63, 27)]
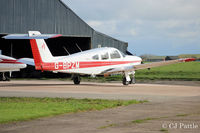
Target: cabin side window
[(95, 57), (105, 56), (115, 55)]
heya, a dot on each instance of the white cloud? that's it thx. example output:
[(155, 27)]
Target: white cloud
[(94, 23), (108, 27)]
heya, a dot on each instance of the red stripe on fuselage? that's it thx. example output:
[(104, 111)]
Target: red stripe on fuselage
[(7, 61), (52, 66)]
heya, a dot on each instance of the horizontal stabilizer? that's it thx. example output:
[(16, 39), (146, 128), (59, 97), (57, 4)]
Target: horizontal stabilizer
[(28, 61), (26, 36)]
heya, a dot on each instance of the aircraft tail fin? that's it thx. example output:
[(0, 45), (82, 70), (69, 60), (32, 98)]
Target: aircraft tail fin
[(39, 48)]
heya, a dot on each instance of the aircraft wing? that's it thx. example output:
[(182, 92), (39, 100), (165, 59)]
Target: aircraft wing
[(28, 61), (145, 66), (26, 36)]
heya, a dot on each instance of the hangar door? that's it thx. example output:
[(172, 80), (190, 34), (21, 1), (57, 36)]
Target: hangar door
[(57, 46)]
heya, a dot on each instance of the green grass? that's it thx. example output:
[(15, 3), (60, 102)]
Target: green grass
[(182, 115), (189, 71), (180, 71), (143, 120), (110, 125), (189, 56), (19, 109), (164, 130)]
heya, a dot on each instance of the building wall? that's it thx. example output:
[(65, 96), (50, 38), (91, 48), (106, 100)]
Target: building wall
[(49, 16)]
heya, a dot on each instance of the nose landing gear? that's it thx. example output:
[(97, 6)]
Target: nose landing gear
[(127, 79), (124, 81)]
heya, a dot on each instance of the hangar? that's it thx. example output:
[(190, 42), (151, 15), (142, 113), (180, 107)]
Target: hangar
[(53, 17), (50, 17)]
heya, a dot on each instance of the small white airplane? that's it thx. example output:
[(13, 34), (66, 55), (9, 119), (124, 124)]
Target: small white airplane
[(100, 61), (9, 64)]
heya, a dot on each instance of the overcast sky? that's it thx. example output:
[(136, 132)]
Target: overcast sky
[(161, 27)]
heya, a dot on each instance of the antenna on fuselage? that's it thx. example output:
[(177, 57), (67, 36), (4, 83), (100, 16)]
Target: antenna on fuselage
[(66, 50), (78, 47)]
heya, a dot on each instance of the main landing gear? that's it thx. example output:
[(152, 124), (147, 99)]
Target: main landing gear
[(4, 77), (76, 78), (127, 79)]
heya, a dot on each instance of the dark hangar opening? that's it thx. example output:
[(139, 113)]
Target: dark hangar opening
[(21, 48), (15, 48), (72, 44)]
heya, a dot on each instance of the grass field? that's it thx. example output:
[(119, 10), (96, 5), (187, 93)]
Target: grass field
[(189, 71), (180, 71), (189, 55), (18, 109)]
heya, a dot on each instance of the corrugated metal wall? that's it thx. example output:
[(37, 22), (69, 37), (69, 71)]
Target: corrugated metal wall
[(49, 16)]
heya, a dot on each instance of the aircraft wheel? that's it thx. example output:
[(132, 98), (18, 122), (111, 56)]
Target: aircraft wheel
[(124, 81), (76, 80), (5, 77)]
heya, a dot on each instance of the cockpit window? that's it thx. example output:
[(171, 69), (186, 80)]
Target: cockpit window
[(104, 56), (95, 57), (115, 54)]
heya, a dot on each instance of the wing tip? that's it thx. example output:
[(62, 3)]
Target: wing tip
[(58, 35), (187, 59)]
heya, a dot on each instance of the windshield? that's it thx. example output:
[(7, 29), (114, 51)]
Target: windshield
[(115, 54)]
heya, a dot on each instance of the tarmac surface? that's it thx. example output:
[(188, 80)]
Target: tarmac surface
[(171, 108)]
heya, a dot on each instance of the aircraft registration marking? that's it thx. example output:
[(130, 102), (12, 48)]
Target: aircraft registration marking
[(67, 65)]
